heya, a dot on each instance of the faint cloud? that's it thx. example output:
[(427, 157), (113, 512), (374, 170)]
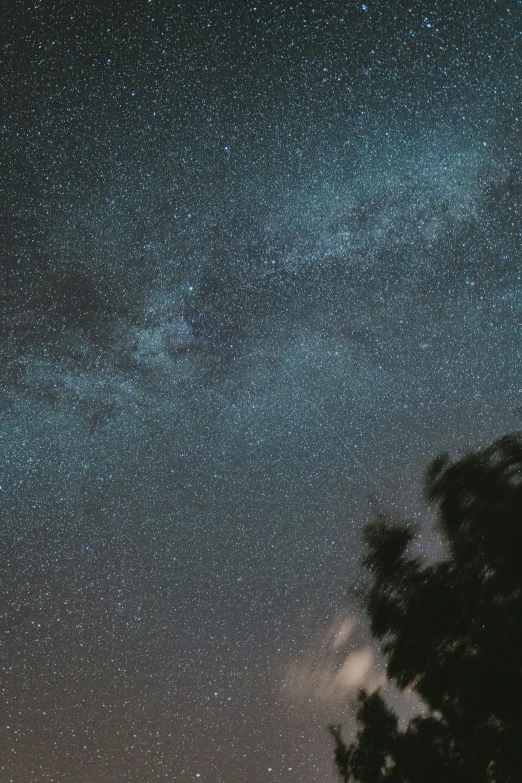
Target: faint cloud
[(340, 660)]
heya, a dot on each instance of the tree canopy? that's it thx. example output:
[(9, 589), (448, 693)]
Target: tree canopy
[(452, 631)]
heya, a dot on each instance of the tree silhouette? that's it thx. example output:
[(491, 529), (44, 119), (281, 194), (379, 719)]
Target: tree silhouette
[(452, 631)]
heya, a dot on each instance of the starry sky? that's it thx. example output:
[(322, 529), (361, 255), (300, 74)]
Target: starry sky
[(260, 262)]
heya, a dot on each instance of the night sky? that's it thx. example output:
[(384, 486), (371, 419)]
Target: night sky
[(260, 262)]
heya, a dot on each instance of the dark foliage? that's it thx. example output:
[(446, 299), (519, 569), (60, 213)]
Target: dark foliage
[(452, 631)]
